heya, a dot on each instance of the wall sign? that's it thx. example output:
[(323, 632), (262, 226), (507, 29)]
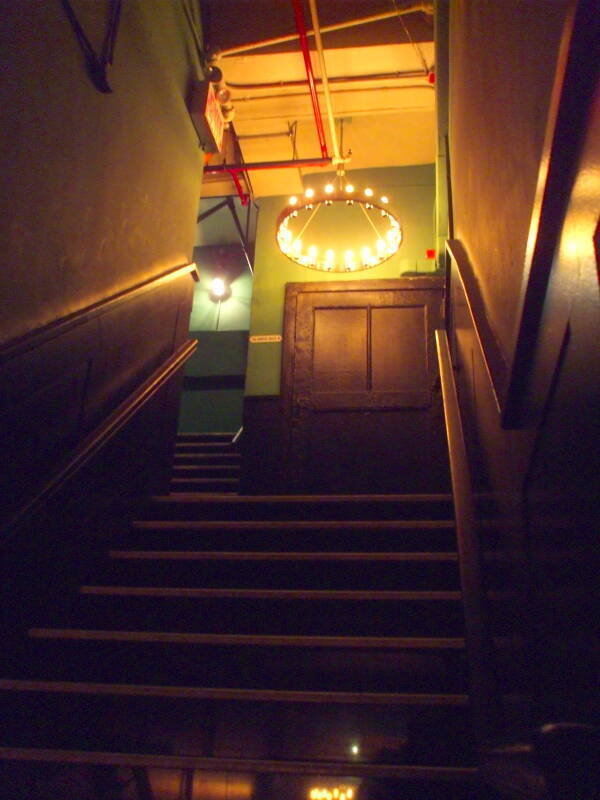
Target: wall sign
[(206, 115), (262, 339)]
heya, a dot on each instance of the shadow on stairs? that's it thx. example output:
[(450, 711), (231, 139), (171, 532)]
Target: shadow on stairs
[(263, 647)]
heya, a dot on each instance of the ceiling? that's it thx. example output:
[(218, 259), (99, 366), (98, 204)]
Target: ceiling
[(379, 74)]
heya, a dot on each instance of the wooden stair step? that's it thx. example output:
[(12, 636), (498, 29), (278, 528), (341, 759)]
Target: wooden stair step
[(253, 555), (226, 457), (352, 574), (218, 436), (268, 615), (295, 524), (243, 695), (251, 640), (213, 483), (278, 767), (274, 667), (273, 594), (98, 722), (208, 446), (190, 469), (189, 505), (306, 536)]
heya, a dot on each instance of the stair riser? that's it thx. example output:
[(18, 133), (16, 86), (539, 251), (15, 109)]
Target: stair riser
[(204, 484), (270, 730), (206, 471), (307, 510), (343, 540), (302, 617), (314, 669), (284, 575), (228, 458), (204, 437)]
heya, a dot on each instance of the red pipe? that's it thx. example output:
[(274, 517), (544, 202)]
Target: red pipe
[(240, 189), (301, 28), (292, 162)]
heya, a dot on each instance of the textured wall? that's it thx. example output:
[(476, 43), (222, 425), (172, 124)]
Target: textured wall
[(502, 60), (99, 191)]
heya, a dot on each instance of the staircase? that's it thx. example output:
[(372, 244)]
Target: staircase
[(251, 647), (206, 462)]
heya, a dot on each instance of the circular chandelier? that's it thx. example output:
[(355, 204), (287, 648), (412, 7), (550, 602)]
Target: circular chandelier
[(371, 232)]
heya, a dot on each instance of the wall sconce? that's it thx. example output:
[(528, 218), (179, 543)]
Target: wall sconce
[(220, 289)]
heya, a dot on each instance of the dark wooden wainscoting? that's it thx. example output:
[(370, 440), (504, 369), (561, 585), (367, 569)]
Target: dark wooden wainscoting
[(361, 388), (262, 446), (88, 410)]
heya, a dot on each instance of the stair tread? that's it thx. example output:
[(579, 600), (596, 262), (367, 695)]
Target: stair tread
[(312, 498), (278, 594), (253, 555), (230, 764), (369, 642), (327, 524), (225, 693)]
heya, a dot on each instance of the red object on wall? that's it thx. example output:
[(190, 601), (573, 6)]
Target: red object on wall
[(430, 253), (206, 115)]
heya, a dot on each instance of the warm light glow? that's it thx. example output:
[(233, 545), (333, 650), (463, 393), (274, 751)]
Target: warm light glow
[(362, 250), (331, 793), (354, 749), (218, 287), (293, 200), (384, 199)]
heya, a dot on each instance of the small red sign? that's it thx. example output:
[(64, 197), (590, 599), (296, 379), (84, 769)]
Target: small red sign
[(206, 115)]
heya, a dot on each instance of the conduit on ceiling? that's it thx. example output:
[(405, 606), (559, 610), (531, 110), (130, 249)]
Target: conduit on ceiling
[(426, 8)]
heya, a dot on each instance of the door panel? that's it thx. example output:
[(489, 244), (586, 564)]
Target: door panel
[(399, 352), (339, 358), (359, 385)]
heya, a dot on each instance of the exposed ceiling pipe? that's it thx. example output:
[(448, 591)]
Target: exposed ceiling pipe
[(374, 76), (338, 161), (384, 90), (299, 15), (426, 8), (213, 169)]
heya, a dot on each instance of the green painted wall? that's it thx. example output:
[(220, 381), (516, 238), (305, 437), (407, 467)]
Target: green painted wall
[(411, 191), (219, 354), (233, 314)]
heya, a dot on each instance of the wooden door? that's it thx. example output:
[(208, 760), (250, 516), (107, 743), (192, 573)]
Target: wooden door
[(360, 386)]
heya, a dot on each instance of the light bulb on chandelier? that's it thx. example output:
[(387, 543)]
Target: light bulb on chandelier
[(380, 238)]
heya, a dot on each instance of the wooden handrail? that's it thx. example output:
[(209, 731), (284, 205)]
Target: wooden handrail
[(34, 338), (476, 631), (495, 363), (104, 432)]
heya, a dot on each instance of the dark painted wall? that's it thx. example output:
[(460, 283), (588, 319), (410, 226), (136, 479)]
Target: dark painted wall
[(503, 57), (99, 191), (537, 484)]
